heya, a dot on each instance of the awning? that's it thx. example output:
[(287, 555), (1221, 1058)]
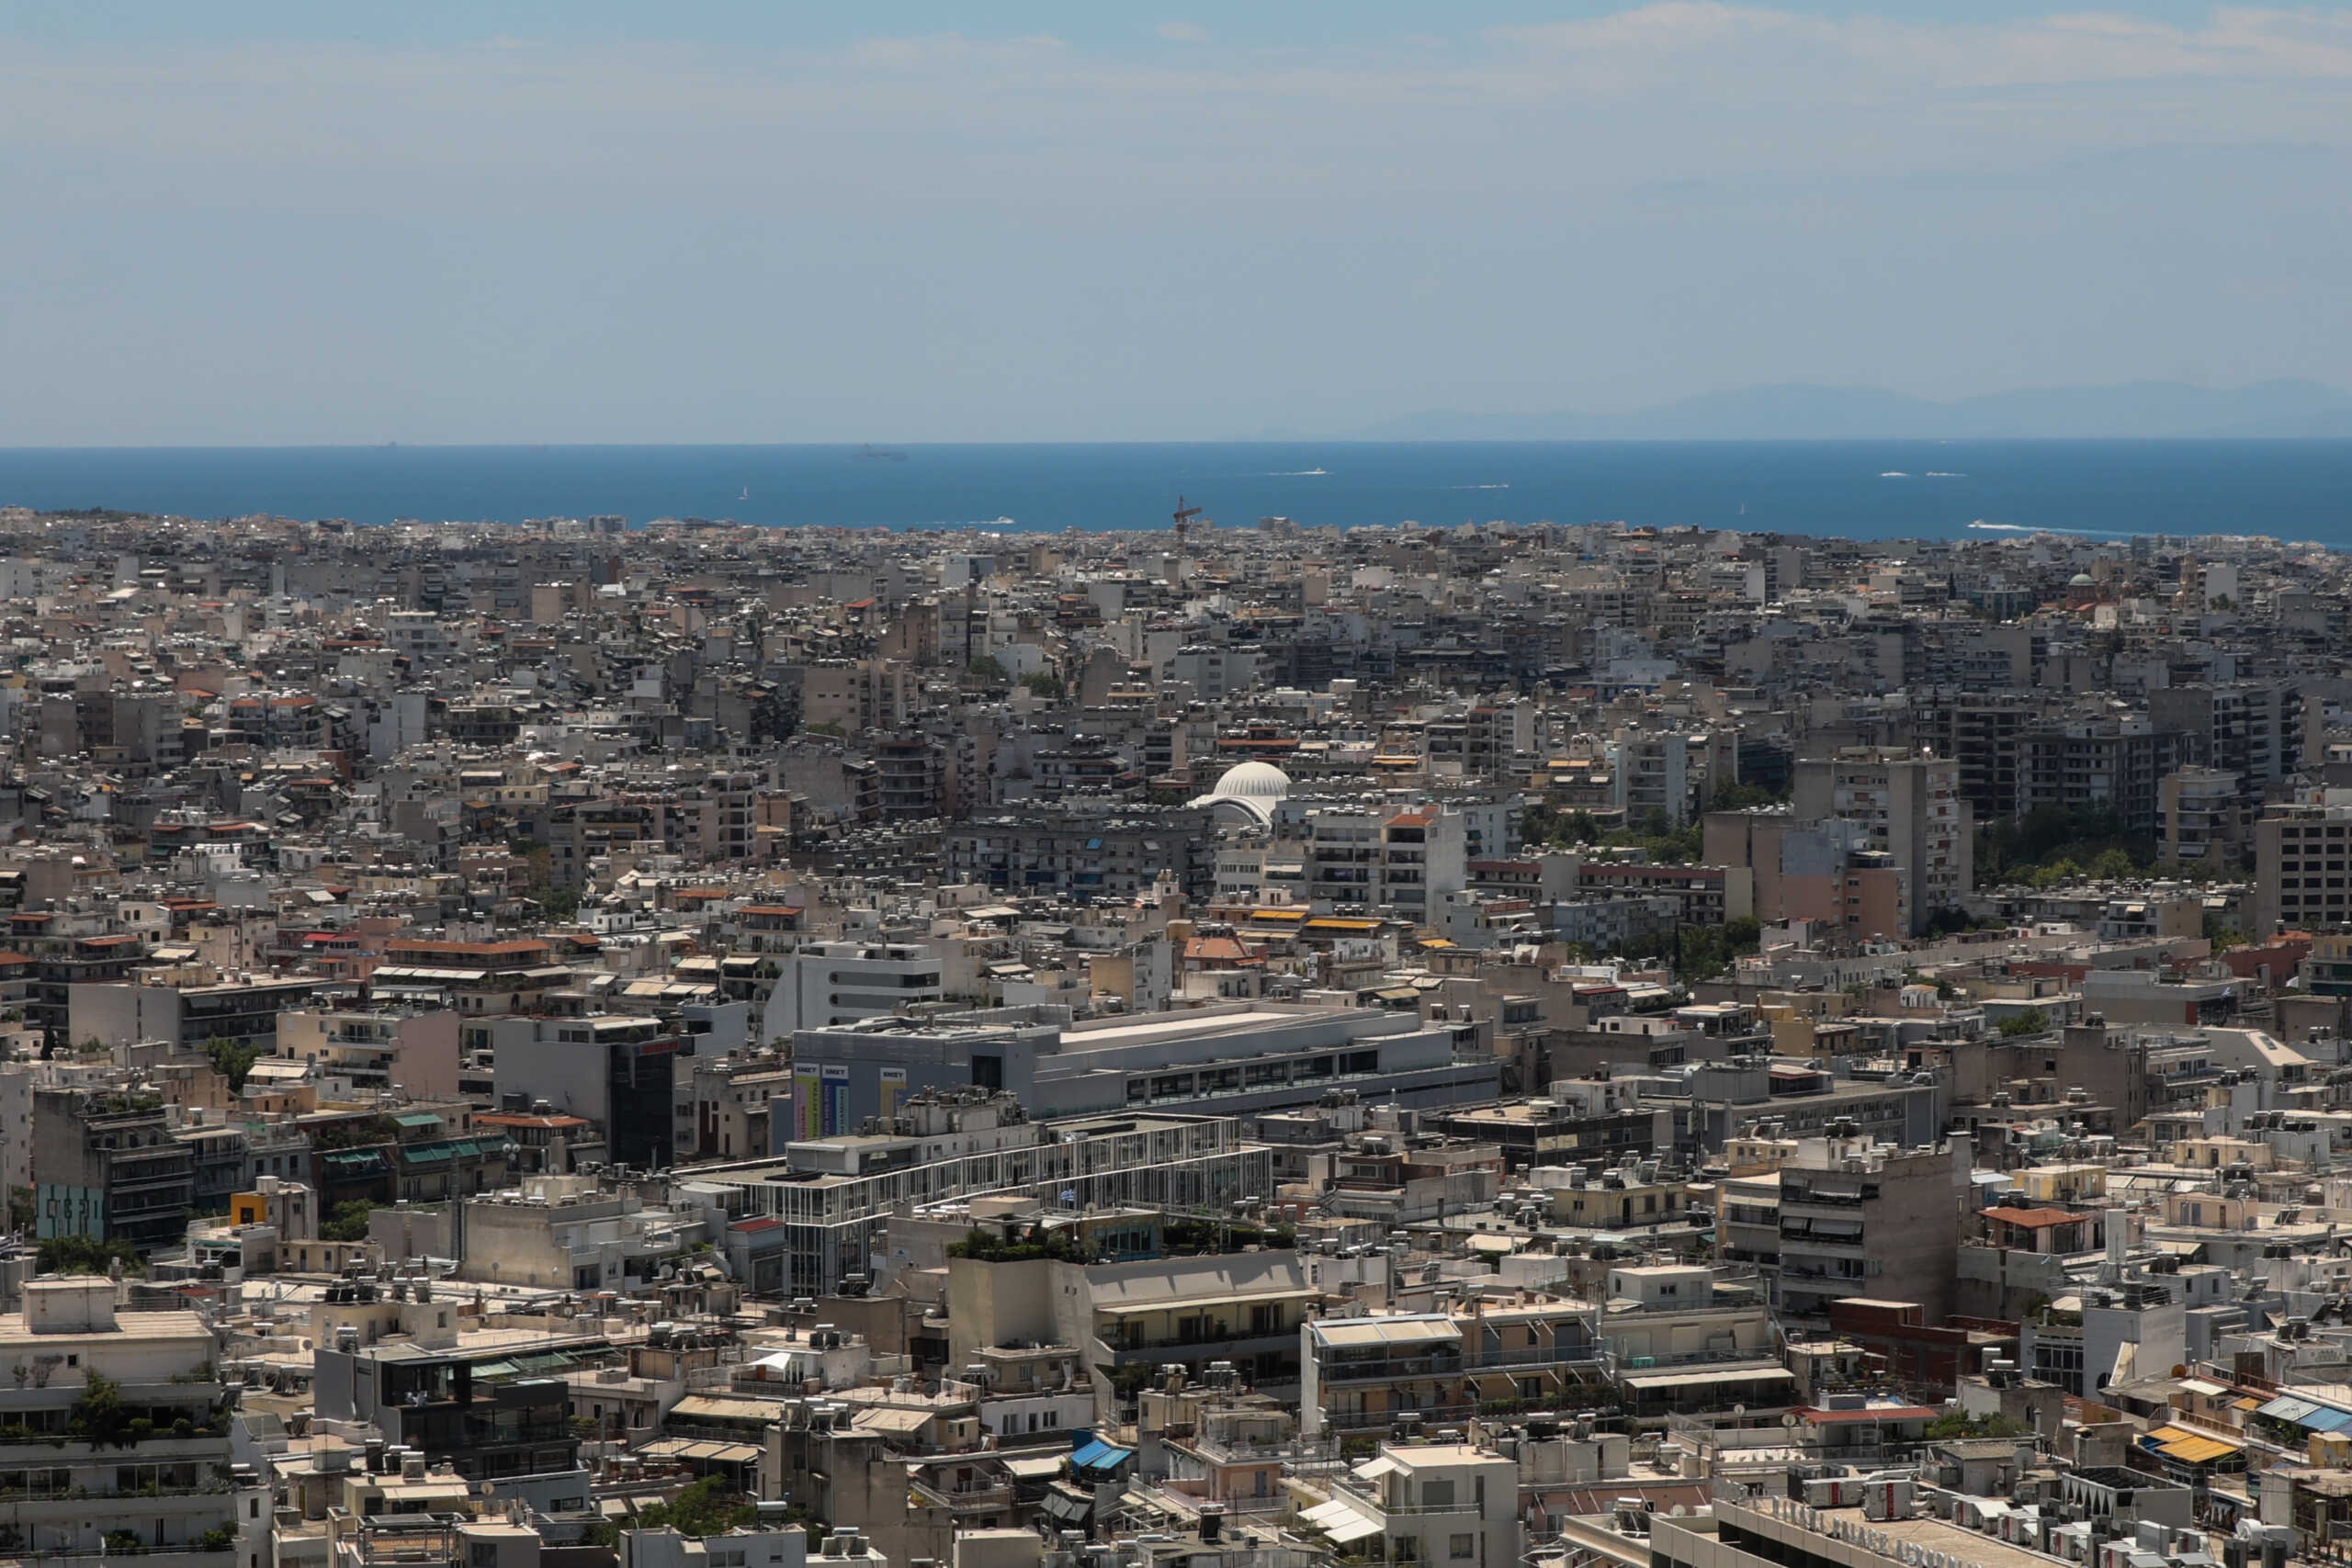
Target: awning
[(2287, 1407), (1100, 1455), (1341, 1523), (708, 1407), (1367, 1333), (1714, 1376), (2184, 1446), (2309, 1414), (1062, 1503), (693, 1452), (892, 1418)]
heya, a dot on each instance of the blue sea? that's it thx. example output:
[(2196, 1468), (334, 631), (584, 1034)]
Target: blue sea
[(2292, 489)]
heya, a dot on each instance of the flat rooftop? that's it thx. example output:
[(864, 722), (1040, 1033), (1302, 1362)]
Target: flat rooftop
[(1926, 1532), (1189, 1026)]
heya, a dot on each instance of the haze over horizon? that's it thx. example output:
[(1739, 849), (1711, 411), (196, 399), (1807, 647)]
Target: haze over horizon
[(510, 222)]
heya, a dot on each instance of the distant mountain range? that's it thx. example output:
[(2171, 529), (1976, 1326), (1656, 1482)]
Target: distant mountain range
[(2143, 409)]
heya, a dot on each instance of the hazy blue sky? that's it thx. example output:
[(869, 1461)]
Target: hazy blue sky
[(306, 222)]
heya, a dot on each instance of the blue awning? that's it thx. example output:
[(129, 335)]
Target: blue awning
[(1100, 1455), (2325, 1419)]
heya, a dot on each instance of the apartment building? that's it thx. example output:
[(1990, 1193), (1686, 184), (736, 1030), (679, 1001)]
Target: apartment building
[(834, 1197), (1913, 814), (1859, 1218), (1708, 895), (2303, 864), (381, 1048), (1126, 1322), (486, 1410), (109, 1166), (618, 1070), (1673, 1340), (1653, 775), (243, 1010), (826, 984), (1426, 1503), (150, 1476), (1368, 1371), (2201, 818), (1225, 1058)]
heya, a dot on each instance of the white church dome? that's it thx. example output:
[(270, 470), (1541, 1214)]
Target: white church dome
[(1251, 781)]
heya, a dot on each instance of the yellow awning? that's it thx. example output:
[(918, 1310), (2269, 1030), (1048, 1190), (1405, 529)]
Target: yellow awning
[(2186, 1446)]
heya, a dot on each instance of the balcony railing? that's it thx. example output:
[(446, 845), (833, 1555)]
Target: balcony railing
[(1764, 1357), (976, 1497), (1222, 1349), (1372, 1500)]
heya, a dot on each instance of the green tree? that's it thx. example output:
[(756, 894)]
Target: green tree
[(349, 1221), (1961, 1424), (356, 1132), (707, 1507), (2033, 1020), (1664, 842), (232, 1060), (1698, 952), (2112, 865), (2031, 848), (1545, 826), (22, 1214), (86, 1254), (1043, 683), (99, 1415), (989, 671), (1737, 796)]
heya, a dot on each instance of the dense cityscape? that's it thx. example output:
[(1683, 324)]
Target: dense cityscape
[(611, 1044)]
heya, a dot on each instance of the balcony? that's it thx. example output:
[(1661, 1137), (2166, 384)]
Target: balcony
[(1375, 1504), (148, 1557), (1391, 1369), (970, 1500), (1213, 1349), (1533, 1356), (1761, 1357), (44, 1450)]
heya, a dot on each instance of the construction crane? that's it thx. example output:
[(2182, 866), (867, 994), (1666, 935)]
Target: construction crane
[(1184, 515)]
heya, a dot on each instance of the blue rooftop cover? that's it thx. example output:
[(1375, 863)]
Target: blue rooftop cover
[(1100, 1455)]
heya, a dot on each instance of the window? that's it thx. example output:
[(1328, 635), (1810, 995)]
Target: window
[(1461, 1548)]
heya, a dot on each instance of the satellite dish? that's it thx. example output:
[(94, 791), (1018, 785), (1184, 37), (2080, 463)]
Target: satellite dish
[(1789, 1419)]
